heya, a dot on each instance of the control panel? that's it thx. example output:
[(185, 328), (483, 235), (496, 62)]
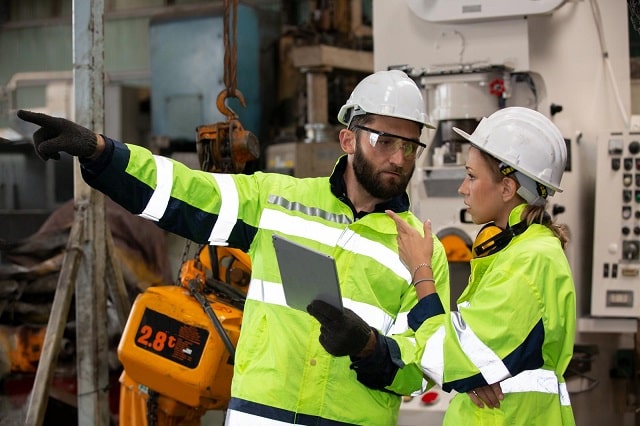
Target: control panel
[(615, 290)]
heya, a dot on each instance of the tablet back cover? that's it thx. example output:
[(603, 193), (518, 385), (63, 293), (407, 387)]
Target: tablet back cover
[(306, 274)]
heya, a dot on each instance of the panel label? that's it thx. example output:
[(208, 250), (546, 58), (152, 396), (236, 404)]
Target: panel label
[(171, 339)]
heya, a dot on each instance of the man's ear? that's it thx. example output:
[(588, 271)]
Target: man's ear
[(347, 141), (509, 188)]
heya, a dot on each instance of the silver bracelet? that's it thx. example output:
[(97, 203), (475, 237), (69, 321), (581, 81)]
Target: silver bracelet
[(415, 283), (422, 265)]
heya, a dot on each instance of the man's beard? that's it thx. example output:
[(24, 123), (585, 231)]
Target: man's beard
[(370, 180)]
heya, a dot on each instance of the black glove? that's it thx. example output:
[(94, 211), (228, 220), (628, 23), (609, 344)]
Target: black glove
[(57, 134), (341, 333)]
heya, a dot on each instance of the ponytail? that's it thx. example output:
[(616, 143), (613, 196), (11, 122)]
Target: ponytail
[(538, 214)]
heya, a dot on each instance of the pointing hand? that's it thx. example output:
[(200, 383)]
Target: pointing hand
[(59, 135)]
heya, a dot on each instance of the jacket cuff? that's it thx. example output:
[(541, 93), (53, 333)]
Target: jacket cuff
[(378, 370), (93, 168), (426, 308)]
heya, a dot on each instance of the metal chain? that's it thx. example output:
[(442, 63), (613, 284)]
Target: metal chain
[(185, 252), (230, 47), (634, 13), (152, 408)]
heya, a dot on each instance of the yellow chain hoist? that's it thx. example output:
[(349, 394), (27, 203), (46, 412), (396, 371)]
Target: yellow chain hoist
[(178, 346)]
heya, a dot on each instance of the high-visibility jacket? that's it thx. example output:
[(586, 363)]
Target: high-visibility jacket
[(515, 325), (282, 375)]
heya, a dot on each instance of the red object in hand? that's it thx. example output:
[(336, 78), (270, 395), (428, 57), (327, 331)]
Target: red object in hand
[(429, 397)]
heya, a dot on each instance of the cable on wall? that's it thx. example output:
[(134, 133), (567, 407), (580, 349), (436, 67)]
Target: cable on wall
[(595, 10)]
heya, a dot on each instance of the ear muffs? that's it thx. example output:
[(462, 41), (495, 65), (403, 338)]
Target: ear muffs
[(491, 238)]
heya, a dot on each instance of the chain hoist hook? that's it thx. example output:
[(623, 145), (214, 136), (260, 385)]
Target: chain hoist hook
[(222, 106)]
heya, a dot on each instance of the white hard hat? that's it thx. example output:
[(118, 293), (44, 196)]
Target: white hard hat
[(391, 93), (525, 140)]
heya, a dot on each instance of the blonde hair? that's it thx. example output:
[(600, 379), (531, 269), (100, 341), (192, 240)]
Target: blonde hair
[(531, 214), (538, 214)]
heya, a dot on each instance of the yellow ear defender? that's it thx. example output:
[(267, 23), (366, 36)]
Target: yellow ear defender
[(491, 238)]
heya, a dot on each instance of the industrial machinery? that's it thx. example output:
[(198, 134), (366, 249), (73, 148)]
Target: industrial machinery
[(616, 256), (460, 97), (178, 345)]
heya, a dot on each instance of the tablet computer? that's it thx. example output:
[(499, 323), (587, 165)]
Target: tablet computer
[(306, 274)]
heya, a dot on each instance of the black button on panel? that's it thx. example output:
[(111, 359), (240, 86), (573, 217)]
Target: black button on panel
[(628, 163), (615, 163)]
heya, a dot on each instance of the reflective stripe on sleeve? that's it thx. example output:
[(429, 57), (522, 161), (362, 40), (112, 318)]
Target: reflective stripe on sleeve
[(490, 365), (228, 215), (401, 324), (432, 362), (564, 394), (159, 201)]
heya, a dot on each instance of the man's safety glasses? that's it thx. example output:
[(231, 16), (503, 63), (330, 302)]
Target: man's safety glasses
[(389, 144)]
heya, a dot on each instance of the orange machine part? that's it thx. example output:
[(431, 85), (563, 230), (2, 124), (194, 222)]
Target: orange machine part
[(455, 247), (170, 345), (234, 265), (133, 403), (226, 147), (192, 273)]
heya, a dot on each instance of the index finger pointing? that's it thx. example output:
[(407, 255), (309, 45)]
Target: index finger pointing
[(35, 117)]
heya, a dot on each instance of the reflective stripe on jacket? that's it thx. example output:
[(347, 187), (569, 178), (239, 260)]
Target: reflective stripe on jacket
[(515, 324), (281, 371)]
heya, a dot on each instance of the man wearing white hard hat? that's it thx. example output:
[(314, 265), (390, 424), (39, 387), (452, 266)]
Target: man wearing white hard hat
[(335, 367)]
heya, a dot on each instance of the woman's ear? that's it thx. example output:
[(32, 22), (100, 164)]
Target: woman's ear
[(509, 189), (347, 141)]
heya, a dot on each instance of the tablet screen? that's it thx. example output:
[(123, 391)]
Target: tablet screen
[(306, 274)]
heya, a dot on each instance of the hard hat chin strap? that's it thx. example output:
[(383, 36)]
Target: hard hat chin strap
[(352, 112), (534, 193)]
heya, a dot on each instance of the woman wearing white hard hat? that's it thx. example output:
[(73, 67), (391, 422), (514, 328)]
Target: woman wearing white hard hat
[(509, 343)]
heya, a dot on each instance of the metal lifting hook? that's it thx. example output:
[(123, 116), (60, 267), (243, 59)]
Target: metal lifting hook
[(222, 106)]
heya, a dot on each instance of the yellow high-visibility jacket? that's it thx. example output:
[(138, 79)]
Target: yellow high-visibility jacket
[(515, 325), (282, 375)]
